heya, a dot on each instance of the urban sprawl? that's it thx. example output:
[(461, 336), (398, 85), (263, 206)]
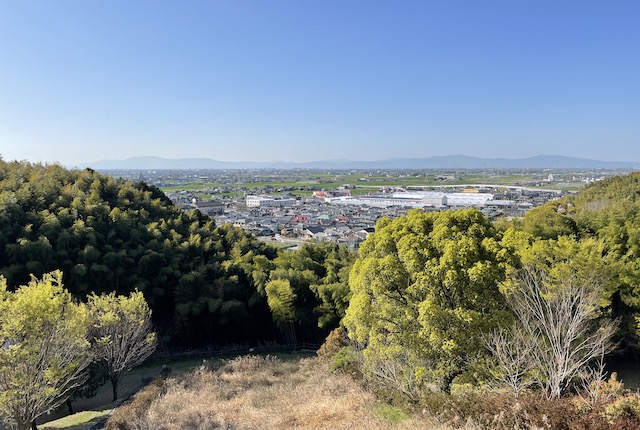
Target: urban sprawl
[(311, 210)]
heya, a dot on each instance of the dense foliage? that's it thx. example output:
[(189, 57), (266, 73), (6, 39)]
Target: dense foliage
[(308, 289), (425, 287), (608, 212), (206, 284)]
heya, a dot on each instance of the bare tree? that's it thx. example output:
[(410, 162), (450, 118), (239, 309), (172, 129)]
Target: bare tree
[(122, 334), (513, 353), (558, 315), (595, 387), (397, 373)]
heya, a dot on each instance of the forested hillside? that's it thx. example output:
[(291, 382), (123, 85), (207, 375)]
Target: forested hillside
[(206, 284), (607, 212)]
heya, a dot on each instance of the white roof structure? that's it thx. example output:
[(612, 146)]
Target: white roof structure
[(452, 199), (418, 200), (265, 201)]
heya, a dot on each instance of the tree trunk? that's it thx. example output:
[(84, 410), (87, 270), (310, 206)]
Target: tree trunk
[(70, 406), (114, 384), (33, 425)]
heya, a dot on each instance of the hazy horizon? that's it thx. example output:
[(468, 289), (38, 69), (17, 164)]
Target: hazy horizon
[(436, 162), (341, 159), (299, 82)]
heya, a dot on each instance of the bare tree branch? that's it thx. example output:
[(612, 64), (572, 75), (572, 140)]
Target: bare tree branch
[(512, 350), (558, 318)]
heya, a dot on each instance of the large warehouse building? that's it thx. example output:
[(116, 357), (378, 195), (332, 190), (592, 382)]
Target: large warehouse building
[(418, 200)]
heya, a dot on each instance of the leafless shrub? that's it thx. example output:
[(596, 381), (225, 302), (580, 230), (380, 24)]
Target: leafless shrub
[(558, 319), (248, 363), (596, 388), (396, 374), (513, 353)]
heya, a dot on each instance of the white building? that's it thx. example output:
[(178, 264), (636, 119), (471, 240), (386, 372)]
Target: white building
[(450, 199), (419, 200), (386, 201), (267, 201), (468, 199), (428, 198)]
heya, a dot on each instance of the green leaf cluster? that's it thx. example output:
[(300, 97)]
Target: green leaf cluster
[(425, 286), (43, 348)]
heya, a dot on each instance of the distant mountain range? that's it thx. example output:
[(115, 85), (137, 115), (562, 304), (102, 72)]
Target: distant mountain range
[(438, 162)]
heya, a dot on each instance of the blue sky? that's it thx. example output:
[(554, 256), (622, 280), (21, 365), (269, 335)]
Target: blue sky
[(300, 80)]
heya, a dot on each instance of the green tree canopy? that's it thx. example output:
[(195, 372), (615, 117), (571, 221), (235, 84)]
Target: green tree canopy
[(317, 291), (43, 348), (122, 335), (608, 212), (424, 287), (280, 297), (548, 222)]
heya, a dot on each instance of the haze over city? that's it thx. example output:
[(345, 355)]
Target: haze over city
[(304, 81)]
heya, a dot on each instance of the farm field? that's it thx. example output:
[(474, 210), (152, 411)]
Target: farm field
[(360, 182)]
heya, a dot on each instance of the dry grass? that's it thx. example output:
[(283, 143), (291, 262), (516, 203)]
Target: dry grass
[(266, 393)]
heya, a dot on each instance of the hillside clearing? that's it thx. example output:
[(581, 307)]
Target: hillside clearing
[(253, 392)]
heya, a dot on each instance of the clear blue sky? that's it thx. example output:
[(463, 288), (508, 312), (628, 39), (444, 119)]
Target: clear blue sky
[(305, 80)]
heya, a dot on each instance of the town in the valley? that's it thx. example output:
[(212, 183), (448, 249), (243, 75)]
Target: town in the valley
[(287, 207)]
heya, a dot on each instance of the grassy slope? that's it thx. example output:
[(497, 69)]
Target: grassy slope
[(290, 392), (256, 393), (90, 411)]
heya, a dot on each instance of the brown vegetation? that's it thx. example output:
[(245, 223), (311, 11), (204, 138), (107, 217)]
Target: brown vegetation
[(336, 340), (253, 392)]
